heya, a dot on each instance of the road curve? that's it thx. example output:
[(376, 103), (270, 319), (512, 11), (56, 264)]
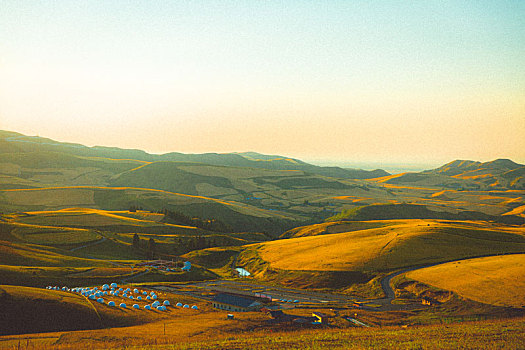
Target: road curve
[(385, 281)]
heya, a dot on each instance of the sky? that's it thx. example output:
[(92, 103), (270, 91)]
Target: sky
[(332, 82)]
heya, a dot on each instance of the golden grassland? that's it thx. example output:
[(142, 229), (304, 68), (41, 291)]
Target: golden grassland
[(84, 196), (520, 211), (51, 235), (89, 217), (26, 309), (29, 310), (211, 330), (495, 280), (409, 243), (336, 227), (34, 255)]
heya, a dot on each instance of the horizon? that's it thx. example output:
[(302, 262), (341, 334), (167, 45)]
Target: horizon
[(336, 83), (391, 167)]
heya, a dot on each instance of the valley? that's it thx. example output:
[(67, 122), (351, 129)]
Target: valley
[(373, 252)]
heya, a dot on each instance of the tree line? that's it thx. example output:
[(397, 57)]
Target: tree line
[(176, 217), (149, 248)]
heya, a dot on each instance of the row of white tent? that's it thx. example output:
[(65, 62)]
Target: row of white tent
[(98, 294)]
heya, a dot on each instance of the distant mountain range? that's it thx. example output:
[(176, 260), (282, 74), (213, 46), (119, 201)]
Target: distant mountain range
[(11, 142), (246, 189)]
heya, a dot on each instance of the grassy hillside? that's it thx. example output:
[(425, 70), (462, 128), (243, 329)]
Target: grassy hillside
[(240, 216), (377, 250), (17, 143), (168, 176), (31, 310), (499, 173), (37, 255), (491, 280), (213, 257), (334, 227), (416, 211), (271, 193), (428, 180)]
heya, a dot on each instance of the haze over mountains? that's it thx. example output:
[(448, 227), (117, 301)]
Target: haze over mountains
[(252, 189)]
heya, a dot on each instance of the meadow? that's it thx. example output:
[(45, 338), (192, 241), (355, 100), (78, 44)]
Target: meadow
[(394, 245), (476, 279)]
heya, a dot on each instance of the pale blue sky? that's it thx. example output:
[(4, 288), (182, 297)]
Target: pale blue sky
[(426, 81)]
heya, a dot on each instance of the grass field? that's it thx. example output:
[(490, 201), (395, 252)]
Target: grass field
[(32, 310), (35, 255), (352, 261), (29, 310), (413, 242), (335, 227), (212, 331), (492, 280), (239, 215)]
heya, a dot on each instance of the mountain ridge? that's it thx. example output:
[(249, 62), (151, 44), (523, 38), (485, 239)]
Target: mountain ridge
[(17, 142)]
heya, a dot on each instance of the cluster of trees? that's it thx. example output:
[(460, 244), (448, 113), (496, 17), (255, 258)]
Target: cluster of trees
[(182, 245), (135, 208), (176, 217), (151, 249)]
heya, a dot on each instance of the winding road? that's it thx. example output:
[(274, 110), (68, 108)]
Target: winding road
[(386, 281), (305, 297)]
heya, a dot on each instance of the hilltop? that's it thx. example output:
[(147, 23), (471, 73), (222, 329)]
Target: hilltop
[(348, 255), (250, 191), (12, 142), (466, 175)]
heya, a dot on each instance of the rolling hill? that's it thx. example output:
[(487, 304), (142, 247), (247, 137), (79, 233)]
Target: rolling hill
[(12, 142), (476, 279), (373, 251), (240, 216), (31, 310), (499, 173), (417, 211), (251, 191)]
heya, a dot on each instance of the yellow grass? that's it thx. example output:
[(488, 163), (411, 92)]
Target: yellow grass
[(496, 280), (338, 227), (90, 217), (60, 196), (33, 255), (84, 196), (147, 326), (517, 211), (410, 242), (352, 199)]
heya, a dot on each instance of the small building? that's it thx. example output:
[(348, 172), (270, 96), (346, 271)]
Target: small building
[(320, 317), (275, 314), (187, 266), (233, 302)]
